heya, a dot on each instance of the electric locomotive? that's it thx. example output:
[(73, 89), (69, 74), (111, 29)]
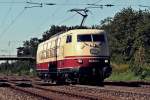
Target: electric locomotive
[(79, 55)]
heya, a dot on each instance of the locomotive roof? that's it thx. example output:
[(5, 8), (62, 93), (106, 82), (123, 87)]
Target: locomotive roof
[(74, 31), (86, 31)]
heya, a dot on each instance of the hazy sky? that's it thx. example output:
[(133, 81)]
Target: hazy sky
[(18, 24)]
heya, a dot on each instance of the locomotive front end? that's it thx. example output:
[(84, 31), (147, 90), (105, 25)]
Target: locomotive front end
[(93, 57)]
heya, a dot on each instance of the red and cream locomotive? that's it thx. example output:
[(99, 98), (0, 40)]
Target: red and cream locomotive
[(80, 55)]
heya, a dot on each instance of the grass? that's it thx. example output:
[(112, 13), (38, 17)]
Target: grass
[(19, 72), (121, 72), (125, 76), (120, 67)]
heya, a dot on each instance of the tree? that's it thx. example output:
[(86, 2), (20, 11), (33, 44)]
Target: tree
[(29, 48), (124, 31)]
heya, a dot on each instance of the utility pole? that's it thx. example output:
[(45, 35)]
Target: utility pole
[(9, 48), (37, 4)]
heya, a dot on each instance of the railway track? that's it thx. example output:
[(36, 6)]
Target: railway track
[(110, 90), (113, 92), (73, 93), (53, 93), (129, 83), (124, 94)]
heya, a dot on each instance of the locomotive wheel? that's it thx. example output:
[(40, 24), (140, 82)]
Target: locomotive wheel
[(100, 77), (81, 80), (84, 80)]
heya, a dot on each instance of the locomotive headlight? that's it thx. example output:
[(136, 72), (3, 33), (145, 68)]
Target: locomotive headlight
[(80, 61), (106, 61)]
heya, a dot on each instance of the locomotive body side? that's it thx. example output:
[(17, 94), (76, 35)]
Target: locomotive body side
[(81, 54)]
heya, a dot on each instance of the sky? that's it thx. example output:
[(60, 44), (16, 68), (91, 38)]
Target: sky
[(20, 20)]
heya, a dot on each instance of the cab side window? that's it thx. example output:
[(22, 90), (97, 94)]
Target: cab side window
[(69, 39)]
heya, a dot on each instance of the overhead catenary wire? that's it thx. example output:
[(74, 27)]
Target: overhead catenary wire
[(12, 22), (67, 19), (13, 3), (6, 15), (145, 6), (47, 3), (92, 5), (46, 19), (10, 47), (41, 4), (84, 12), (3, 2), (37, 4), (97, 1)]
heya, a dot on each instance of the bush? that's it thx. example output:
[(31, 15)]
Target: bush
[(124, 76), (119, 67)]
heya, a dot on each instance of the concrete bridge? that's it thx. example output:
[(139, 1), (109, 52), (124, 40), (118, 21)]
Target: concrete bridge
[(14, 57)]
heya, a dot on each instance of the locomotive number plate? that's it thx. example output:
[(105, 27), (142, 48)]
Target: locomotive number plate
[(94, 51)]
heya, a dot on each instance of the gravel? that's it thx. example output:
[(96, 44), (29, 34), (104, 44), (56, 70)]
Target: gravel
[(10, 94)]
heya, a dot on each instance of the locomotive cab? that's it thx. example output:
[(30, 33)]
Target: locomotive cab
[(92, 45)]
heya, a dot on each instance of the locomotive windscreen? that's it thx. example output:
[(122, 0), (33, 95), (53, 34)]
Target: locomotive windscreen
[(84, 38), (98, 37), (90, 38)]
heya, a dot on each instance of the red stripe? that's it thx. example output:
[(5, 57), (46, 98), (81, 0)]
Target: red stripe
[(42, 66), (80, 56), (69, 63)]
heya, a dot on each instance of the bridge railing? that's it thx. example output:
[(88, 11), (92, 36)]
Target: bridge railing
[(15, 57), (8, 55)]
